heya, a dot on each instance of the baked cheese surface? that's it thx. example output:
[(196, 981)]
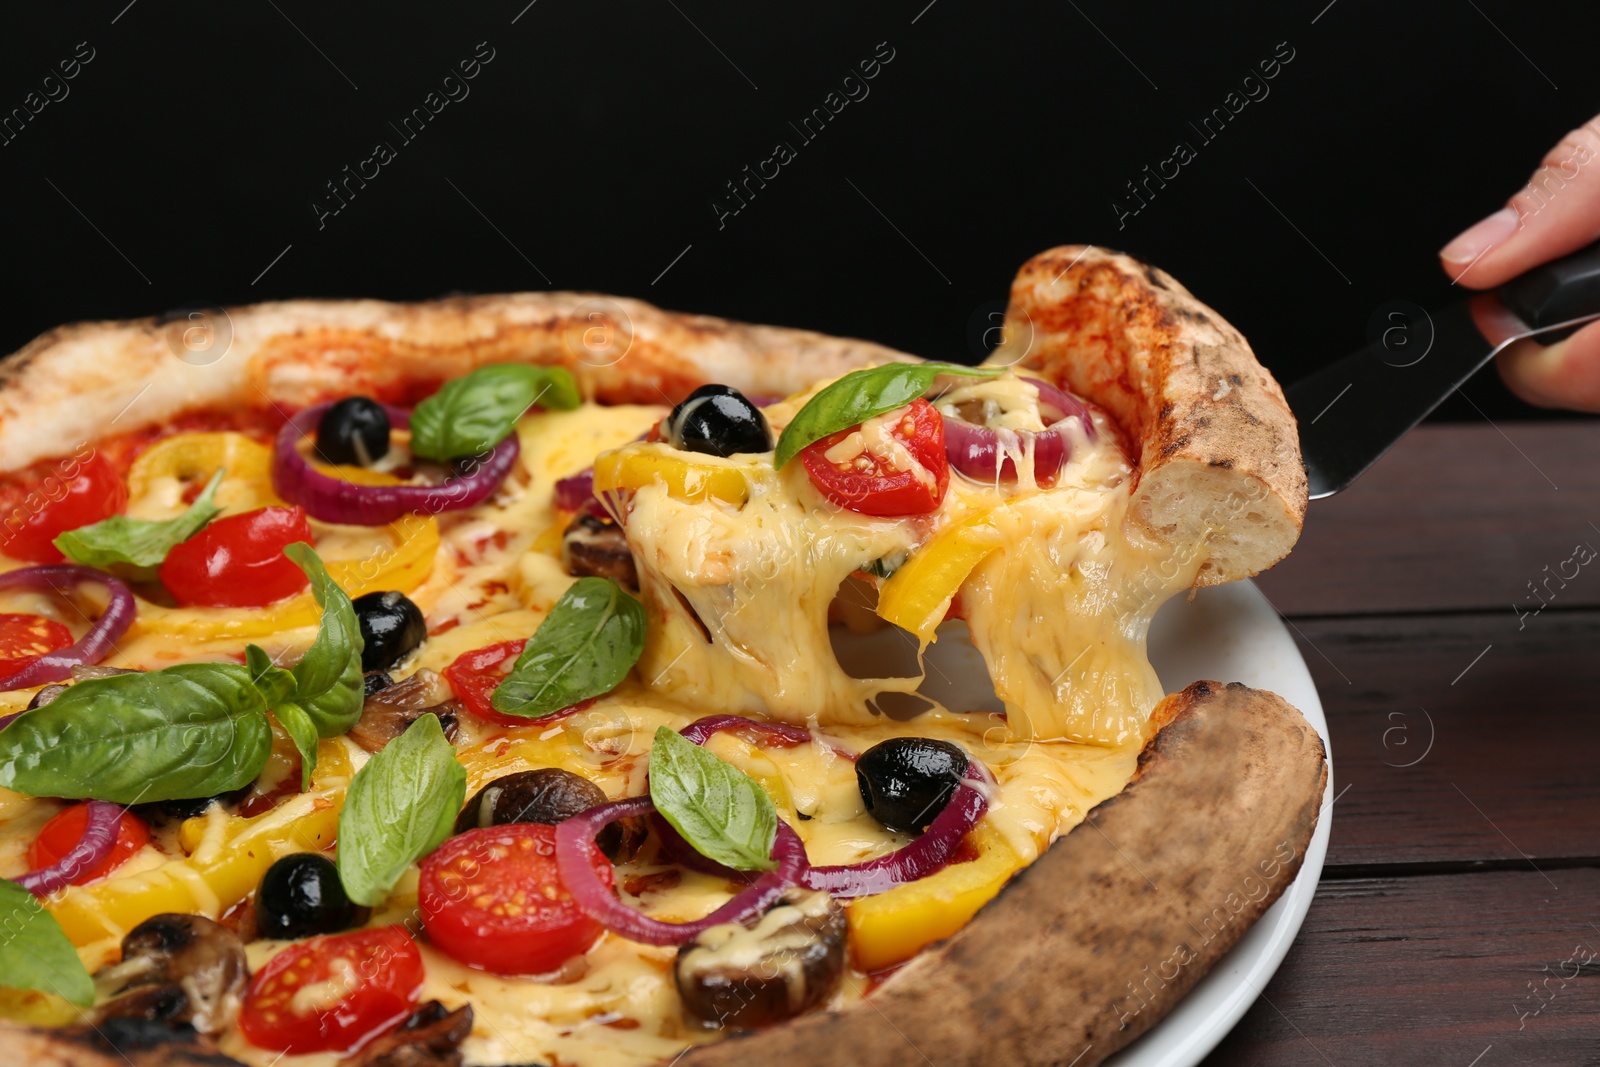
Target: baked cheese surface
[(763, 607)]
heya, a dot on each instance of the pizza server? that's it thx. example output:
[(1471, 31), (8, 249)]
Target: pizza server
[(1352, 411)]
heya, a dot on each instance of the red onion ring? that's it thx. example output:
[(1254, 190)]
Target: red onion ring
[(979, 452), (576, 835), (1064, 403), (684, 854), (332, 500), (92, 647), (574, 492), (778, 734), (100, 829), (924, 856)]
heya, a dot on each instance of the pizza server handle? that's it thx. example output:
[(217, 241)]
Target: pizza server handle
[(1568, 288), (1352, 411)]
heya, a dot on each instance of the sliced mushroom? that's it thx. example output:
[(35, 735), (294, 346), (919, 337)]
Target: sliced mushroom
[(177, 969), (548, 795), (789, 961), (430, 1037), (45, 696), (594, 546), (388, 711), (84, 672)]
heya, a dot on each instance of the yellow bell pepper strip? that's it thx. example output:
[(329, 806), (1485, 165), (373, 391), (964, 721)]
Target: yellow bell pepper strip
[(355, 475), (403, 565), (523, 749), (216, 876), (917, 596), (549, 540), (895, 925), (196, 456), (33, 1008), (638, 466)]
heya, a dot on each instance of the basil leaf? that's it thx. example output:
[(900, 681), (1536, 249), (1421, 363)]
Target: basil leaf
[(327, 680), (399, 806), (322, 695), (273, 682), (586, 645), (717, 808), (138, 543), (189, 731), (472, 414), (860, 395), (303, 732), (276, 685), (35, 952)]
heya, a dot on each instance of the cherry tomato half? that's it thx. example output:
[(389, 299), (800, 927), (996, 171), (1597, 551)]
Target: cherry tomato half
[(493, 899), (70, 493), (238, 562), (873, 484), (352, 988), (24, 638), (62, 833), (474, 676)]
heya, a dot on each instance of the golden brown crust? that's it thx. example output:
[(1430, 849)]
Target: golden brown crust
[(1219, 454), (83, 382), (1095, 941)]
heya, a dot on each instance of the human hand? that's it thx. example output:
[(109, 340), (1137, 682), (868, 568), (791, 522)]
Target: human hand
[(1556, 213)]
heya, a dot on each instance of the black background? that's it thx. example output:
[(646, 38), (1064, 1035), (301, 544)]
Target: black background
[(190, 150)]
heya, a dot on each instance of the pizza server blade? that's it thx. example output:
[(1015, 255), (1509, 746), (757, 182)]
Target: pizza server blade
[(1354, 410)]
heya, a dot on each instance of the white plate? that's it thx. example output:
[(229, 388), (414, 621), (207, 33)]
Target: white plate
[(1231, 634)]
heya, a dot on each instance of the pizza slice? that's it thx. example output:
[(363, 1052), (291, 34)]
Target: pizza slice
[(550, 678)]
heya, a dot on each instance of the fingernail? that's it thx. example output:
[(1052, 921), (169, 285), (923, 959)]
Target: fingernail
[(1480, 237)]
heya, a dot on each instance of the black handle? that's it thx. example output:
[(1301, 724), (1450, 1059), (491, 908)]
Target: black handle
[(1567, 288)]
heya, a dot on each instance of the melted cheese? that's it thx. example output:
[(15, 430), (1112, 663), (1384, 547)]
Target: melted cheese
[(878, 437), (743, 607), (320, 996)]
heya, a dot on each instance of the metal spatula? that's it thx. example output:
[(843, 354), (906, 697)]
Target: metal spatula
[(1352, 411)]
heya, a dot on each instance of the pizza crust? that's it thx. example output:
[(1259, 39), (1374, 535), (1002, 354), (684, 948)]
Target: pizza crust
[(1217, 445), (79, 383)]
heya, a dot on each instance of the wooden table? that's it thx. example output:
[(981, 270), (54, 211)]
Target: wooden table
[(1458, 919)]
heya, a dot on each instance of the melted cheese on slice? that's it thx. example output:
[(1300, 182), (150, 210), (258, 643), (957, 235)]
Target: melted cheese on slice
[(1059, 610), (877, 436)]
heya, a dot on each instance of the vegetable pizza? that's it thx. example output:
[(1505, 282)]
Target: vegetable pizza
[(554, 679)]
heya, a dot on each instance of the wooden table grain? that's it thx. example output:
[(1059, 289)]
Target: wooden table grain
[(1448, 605)]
